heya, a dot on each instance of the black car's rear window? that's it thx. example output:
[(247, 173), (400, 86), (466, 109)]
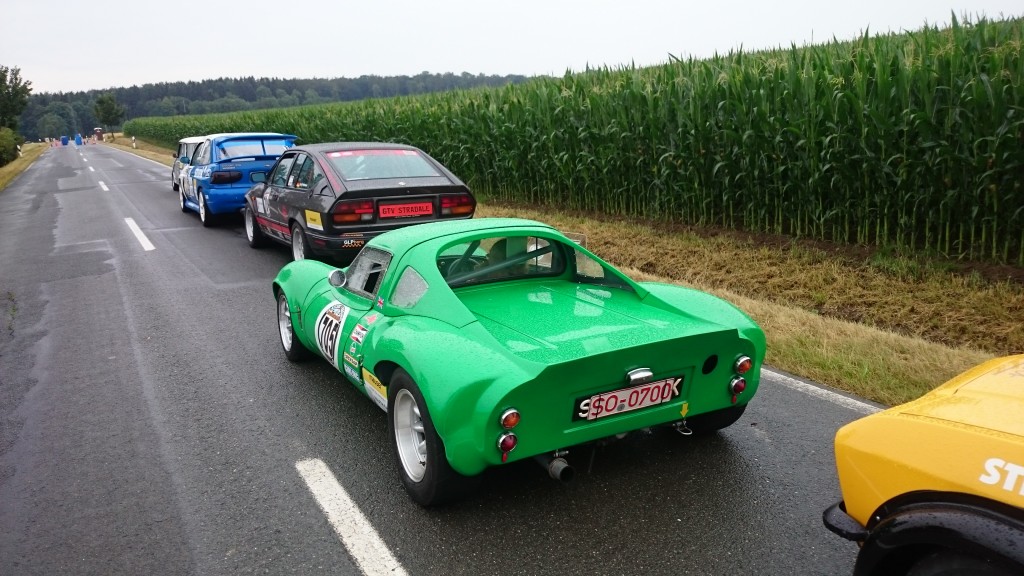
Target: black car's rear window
[(373, 164)]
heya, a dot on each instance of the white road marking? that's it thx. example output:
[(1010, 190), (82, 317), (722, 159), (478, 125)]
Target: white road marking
[(146, 244), (84, 159), (91, 169), (794, 384), (356, 533), (104, 186)]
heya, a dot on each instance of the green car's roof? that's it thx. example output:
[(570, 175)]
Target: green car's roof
[(402, 240)]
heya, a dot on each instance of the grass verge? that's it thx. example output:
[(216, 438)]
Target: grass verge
[(29, 152), (142, 148)]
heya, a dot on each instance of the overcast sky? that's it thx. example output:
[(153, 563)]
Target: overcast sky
[(72, 45)]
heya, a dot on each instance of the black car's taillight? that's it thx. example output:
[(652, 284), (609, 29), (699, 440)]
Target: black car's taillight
[(457, 204), (225, 177), (352, 211)]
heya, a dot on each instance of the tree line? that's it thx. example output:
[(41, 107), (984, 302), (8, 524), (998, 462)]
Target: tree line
[(54, 114)]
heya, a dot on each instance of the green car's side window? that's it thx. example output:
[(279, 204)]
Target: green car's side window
[(590, 271), (367, 271), (410, 288)]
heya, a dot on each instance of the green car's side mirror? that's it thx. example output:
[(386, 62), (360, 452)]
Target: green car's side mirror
[(337, 278)]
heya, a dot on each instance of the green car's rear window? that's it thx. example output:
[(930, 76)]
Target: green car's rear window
[(501, 258)]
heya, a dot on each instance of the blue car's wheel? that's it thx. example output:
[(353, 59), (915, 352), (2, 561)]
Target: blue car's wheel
[(204, 212), (426, 474)]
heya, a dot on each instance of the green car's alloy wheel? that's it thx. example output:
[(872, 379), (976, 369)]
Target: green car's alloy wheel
[(426, 474), (204, 215), (298, 243), (293, 349), (252, 230)]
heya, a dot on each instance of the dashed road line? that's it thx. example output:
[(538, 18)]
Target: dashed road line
[(357, 534), (104, 186), (91, 169), (146, 244)]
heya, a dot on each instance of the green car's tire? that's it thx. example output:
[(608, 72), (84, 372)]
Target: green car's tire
[(428, 477), (713, 421), (293, 349), (253, 233)]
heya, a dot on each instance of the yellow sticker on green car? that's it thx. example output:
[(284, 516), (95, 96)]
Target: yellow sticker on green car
[(375, 390)]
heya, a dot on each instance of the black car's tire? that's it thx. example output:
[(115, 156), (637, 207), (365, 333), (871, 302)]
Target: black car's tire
[(293, 349), (948, 563), (300, 247), (204, 211), (181, 200), (713, 421), (253, 232), (428, 477)]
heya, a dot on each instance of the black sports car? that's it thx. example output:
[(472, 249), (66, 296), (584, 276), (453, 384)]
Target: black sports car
[(329, 199)]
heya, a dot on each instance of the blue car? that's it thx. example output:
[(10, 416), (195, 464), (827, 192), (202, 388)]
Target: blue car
[(224, 167)]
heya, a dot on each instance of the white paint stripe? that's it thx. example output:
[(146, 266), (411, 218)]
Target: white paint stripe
[(146, 244), (91, 169), (104, 186), (84, 159), (794, 384), (355, 531)]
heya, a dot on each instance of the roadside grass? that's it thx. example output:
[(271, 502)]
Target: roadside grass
[(142, 148), (29, 152), (879, 324)]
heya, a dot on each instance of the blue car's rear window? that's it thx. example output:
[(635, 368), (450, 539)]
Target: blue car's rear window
[(255, 147), (372, 164)]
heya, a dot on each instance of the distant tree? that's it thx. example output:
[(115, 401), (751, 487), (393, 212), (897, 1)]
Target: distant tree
[(8, 145), (51, 125), (13, 96), (108, 111), (67, 114), (86, 118), (311, 97)]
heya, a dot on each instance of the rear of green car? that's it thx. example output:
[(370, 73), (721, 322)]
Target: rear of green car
[(607, 364)]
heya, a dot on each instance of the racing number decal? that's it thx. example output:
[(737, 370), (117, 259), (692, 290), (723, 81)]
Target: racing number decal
[(328, 329)]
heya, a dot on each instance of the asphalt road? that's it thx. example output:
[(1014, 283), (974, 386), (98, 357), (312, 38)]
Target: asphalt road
[(150, 424)]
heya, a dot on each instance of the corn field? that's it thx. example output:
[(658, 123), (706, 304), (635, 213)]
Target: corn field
[(914, 140)]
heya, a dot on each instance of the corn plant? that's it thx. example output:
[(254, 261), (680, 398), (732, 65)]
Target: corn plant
[(913, 140)]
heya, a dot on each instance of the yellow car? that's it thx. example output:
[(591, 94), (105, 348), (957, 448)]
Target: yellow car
[(936, 486)]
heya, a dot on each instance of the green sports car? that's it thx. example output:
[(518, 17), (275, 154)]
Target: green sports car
[(494, 339)]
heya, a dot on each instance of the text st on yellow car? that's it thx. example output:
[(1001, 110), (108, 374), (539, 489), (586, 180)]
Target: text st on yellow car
[(936, 486)]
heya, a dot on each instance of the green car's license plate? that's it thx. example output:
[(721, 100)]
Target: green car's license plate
[(626, 399)]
